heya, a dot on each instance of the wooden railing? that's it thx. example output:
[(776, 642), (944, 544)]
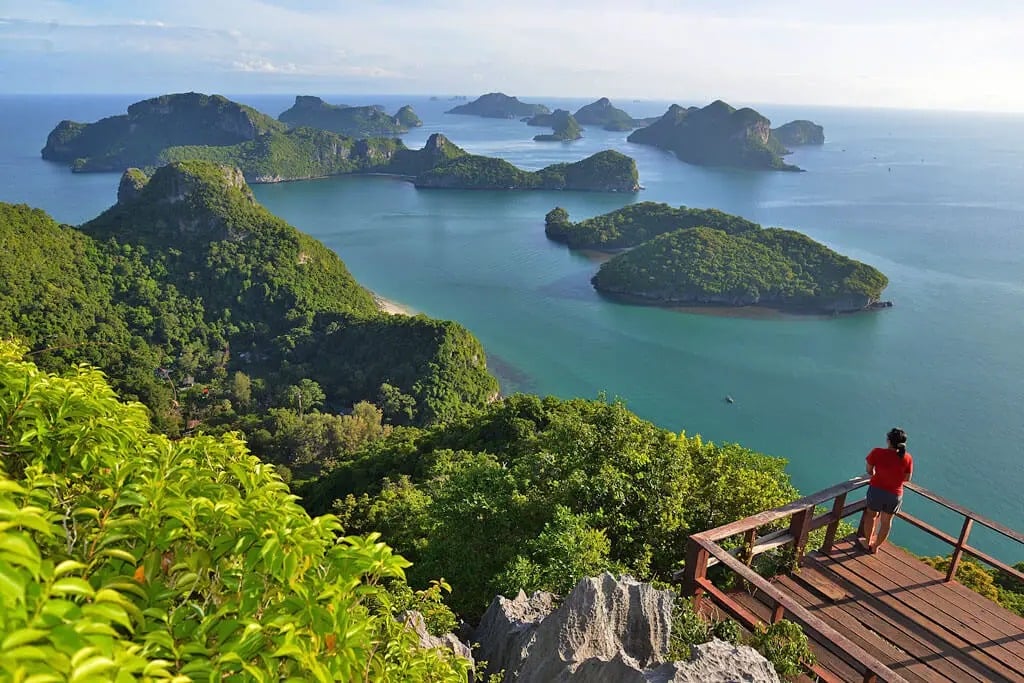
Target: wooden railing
[(959, 544), (704, 550)]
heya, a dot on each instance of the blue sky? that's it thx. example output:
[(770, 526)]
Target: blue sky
[(942, 54)]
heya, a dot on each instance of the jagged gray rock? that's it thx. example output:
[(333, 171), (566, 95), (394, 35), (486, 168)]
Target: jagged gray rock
[(717, 662), (507, 630), (608, 630), (449, 641)]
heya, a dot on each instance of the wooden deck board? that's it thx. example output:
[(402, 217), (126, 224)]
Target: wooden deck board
[(906, 604), (903, 651), (911, 590)]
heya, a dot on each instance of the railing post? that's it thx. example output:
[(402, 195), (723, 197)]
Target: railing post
[(799, 528), (696, 567), (954, 561), (778, 613), (749, 539), (833, 527)]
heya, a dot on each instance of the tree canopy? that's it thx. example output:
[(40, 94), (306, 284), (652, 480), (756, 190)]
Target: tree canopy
[(124, 555)]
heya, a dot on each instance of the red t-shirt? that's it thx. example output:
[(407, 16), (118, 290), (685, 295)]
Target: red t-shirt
[(890, 469)]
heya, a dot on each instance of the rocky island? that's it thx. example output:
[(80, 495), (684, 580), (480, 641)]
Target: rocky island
[(603, 113), (634, 224), (716, 135), (359, 122), (799, 132), (151, 126), (607, 171), (690, 256), (496, 105), (177, 128), (564, 124)]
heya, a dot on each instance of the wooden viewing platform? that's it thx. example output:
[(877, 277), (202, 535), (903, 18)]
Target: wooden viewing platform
[(882, 617)]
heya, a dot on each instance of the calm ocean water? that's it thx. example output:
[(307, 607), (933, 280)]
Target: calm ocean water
[(932, 199)]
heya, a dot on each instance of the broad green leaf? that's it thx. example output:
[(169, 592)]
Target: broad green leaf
[(72, 586)]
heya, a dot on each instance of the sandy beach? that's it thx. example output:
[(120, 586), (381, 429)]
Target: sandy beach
[(392, 307)]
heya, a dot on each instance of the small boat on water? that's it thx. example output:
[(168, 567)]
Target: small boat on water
[(729, 399)]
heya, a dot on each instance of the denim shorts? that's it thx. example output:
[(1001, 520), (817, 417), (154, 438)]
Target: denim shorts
[(881, 500)]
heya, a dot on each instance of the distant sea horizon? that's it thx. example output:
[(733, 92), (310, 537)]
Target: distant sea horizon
[(932, 198)]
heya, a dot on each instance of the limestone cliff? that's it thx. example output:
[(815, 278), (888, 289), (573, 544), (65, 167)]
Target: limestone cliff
[(150, 126), (800, 132), (716, 135), (498, 105)]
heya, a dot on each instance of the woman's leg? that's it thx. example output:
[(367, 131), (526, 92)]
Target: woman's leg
[(883, 529), (867, 528)]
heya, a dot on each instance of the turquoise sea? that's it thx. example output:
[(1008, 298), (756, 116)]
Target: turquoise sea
[(933, 199)]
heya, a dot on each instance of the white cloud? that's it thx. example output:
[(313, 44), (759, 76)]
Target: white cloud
[(918, 53)]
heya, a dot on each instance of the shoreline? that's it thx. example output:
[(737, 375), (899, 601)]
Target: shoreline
[(392, 307)]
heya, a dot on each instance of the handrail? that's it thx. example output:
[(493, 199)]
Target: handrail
[(832, 639), (787, 510), (960, 546), (934, 497)]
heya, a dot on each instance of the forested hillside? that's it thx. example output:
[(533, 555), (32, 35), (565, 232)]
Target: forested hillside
[(216, 314)]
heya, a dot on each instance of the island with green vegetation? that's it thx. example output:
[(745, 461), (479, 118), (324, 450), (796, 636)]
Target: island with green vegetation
[(565, 126), (217, 314), (151, 126), (497, 105), (603, 113), (280, 154), (607, 171), (716, 135), (686, 256), (800, 132), (636, 223), (357, 122)]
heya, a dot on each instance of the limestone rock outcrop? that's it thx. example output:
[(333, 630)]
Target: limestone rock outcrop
[(414, 620), (607, 630)]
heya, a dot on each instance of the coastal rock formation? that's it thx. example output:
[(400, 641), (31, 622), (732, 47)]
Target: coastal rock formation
[(564, 124), (498, 105), (608, 630), (603, 113), (358, 122), (799, 132), (150, 126), (607, 171), (716, 135)]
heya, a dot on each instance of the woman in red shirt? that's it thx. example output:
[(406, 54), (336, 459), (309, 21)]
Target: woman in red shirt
[(889, 468)]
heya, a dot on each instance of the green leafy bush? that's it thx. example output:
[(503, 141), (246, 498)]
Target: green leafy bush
[(542, 492), (786, 646), (126, 555)]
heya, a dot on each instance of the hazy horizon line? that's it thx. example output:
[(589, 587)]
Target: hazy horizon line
[(621, 99)]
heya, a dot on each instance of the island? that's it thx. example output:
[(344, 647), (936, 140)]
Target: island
[(603, 113), (634, 224), (269, 152), (564, 124), (607, 171), (359, 122), (716, 135), (799, 132), (150, 126), (498, 105), (685, 256)]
